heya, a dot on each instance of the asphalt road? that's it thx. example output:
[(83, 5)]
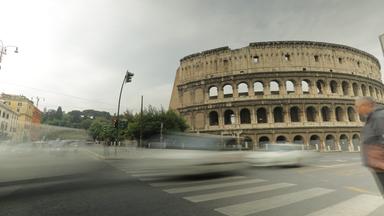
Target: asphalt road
[(82, 184)]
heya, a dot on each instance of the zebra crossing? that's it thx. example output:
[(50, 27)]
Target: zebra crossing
[(230, 188)]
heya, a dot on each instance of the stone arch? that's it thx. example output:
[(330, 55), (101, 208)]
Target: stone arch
[(305, 86), (274, 87), (314, 142), (351, 114), (281, 139), (371, 92), (334, 87), (330, 142), (298, 139), (339, 114), (245, 116), (278, 114), (263, 141), (258, 88), (213, 92), (320, 86), (261, 115), (364, 90), (356, 142), (326, 114), (344, 142), (213, 118), (377, 93), (228, 90), (345, 87), (242, 89), (311, 114), (355, 89), (294, 114), (290, 86), (229, 117)]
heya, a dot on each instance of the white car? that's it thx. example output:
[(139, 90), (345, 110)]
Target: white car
[(280, 155)]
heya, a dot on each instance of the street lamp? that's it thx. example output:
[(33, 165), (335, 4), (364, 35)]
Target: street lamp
[(3, 50), (127, 78)]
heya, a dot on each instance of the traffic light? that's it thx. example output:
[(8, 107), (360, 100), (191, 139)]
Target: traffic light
[(128, 77)]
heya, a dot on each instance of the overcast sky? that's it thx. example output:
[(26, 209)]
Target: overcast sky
[(74, 53)]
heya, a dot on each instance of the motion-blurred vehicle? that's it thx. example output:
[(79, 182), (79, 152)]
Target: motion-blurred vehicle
[(280, 155), (189, 154)]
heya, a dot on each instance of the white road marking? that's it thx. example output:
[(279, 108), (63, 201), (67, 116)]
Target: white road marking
[(232, 193), (212, 186), (358, 206), (177, 183), (272, 202)]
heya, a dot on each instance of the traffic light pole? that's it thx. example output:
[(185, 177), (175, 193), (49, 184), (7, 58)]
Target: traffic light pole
[(127, 78)]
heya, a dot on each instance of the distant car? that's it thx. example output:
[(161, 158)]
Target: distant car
[(280, 155)]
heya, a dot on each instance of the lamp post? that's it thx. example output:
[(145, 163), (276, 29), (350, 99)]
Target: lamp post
[(127, 78), (3, 50)]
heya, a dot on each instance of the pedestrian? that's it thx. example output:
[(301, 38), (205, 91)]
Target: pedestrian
[(372, 138)]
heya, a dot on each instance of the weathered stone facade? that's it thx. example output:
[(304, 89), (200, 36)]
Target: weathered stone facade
[(286, 91)]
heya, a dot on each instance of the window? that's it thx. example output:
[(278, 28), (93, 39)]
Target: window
[(245, 116), (287, 57), (213, 92), (340, 60), (228, 91), (256, 59), (213, 118), (316, 57), (242, 89), (19, 104)]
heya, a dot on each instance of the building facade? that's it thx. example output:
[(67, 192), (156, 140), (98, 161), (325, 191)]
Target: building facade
[(278, 92), (8, 123), (25, 109)]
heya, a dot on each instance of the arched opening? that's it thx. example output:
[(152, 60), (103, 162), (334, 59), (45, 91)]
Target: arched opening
[(351, 114), (245, 116), (281, 139), (305, 86), (344, 142), (290, 87), (333, 85), (371, 93), (345, 87), (213, 92), (314, 142), (243, 89), (213, 118), (364, 90), (295, 114), (339, 114), (311, 114), (326, 114), (228, 91), (278, 115), (355, 89), (330, 142), (298, 139), (377, 93), (258, 87), (356, 142), (274, 87), (261, 115), (229, 117), (320, 86), (263, 141)]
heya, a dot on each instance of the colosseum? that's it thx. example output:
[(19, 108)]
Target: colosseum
[(278, 92)]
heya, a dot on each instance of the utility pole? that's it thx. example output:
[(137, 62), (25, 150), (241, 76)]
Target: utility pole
[(141, 123)]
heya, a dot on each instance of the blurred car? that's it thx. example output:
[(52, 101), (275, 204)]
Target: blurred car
[(189, 154), (280, 155)]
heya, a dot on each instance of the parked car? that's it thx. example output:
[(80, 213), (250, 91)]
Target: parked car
[(280, 155)]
